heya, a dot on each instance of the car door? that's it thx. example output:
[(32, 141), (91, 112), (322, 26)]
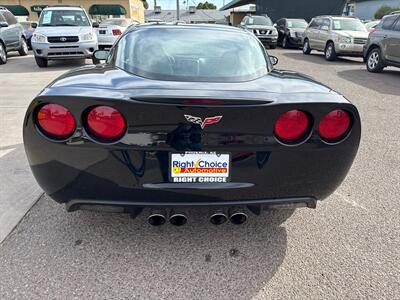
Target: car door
[(385, 34), (13, 31), (324, 33), (312, 33), (393, 42)]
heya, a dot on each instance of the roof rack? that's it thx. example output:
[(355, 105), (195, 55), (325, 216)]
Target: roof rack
[(395, 12)]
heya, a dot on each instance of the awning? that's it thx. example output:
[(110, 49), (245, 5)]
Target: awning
[(107, 9), (17, 10), (236, 3), (38, 8)]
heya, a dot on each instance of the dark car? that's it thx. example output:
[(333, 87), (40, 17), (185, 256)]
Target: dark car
[(383, 46), (290, 32), (189, 115), (263, 29), (12, 36), (28, 30)]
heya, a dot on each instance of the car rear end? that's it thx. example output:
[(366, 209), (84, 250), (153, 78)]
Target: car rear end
[(108, 34)]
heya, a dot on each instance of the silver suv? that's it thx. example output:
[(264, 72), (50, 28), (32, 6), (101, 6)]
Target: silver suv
[(12, 36), (63, 32), (335, 36), (383, 47)]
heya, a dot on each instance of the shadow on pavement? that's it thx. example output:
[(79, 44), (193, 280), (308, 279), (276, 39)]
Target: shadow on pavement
[(387, 82), (28, 63), (113, 256), (318, 58)]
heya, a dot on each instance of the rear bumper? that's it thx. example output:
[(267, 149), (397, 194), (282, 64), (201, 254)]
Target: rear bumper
[(135, 171)]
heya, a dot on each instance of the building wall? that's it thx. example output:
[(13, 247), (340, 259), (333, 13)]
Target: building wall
[(134, 8), (237, 16), (366, 9)]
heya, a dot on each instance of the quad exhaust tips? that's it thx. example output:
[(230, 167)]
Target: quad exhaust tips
[(237, 216), (157, 217), (177, 218)]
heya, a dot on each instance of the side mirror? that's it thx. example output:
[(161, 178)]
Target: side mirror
[(325, 27), (34, 25), (95, 25), (274, 60), (3, 24), (100, 55)]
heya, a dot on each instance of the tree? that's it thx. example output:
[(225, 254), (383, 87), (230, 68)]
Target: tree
[(206, 5), (385, 10)]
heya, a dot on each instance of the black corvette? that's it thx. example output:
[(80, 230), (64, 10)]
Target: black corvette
[(189, 115)]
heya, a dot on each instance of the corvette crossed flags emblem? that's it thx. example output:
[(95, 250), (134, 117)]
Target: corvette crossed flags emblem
[(199, 121)]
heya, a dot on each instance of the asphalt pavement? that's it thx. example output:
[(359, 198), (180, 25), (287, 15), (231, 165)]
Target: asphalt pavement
[(347, 248)]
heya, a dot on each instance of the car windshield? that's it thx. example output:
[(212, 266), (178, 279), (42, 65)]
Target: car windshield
[(188, 54), (297, 24), (63, 18), (348, 24), (260, 21), (118, 22)]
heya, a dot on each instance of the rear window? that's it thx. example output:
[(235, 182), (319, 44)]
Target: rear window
[(188, 54)]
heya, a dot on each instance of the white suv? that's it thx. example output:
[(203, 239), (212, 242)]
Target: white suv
[(63, 32)]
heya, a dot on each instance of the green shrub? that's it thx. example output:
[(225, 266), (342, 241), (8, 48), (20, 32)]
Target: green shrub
[(384, 10)]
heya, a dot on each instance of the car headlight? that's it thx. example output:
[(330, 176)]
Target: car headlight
[(38, 38), (344, 39), (87, 36), (274, 31), (292, 33)]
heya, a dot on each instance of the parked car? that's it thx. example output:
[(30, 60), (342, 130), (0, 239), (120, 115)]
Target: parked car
[(28, 30), (263, 29), (63, 32), (370, 26), (109, 31), (335, 36), (189, 115), (290, 32), (12, 36), (383, 46)]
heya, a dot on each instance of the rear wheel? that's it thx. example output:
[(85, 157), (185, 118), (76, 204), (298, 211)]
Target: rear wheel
[(23, 51), (3, 54), (306, 47), (374, 61), (41, 62), (330, 52)]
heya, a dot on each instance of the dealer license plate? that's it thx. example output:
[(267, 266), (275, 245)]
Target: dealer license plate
[(200, 167), (102, 32)]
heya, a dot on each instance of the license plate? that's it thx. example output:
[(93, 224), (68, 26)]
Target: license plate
[(200, 167), (102, 31)]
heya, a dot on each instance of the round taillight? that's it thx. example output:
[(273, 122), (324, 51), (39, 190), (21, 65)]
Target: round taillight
[(292, 126), (106, 123), (55, 121), (334, 125)]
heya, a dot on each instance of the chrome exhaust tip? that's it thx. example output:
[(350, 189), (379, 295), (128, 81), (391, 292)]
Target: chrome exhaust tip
[(218, 218), (157, 218), (237, 217), (177, 219)]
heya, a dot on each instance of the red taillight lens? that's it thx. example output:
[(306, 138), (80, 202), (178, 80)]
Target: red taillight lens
[(292, 126), (55, 121), (116, 32), (106, 123), (372, 30), (334, 125)]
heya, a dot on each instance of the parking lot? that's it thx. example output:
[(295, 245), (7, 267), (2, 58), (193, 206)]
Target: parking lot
[(349, 247)]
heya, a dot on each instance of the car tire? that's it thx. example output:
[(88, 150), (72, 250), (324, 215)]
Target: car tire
[(3, 54), (273, 46), (285, 43), (374, 61), (23, 51), (306, 47), (330, 52), (41, 62)]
